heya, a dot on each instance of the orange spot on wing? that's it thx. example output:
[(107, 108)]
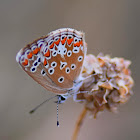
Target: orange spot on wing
[(63, 41), (77, 44), (35, 51), (25, 63), (29, 56), (45, 62), (69, 41), (39, 48), (81, 43), (55, 48), (47, 54), (57, 42), (51, 46)]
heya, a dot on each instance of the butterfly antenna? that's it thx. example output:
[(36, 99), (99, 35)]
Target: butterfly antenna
[(33, 110), (58, 102), (57, 115)]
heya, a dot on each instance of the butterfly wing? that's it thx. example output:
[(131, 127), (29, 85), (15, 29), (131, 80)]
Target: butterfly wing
[(64, 53), (55, 61), (29, 59)]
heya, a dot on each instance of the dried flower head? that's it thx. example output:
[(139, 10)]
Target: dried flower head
[(109, 83)]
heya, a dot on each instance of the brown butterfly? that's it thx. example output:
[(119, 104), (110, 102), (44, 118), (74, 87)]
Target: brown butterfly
[(55, 61)]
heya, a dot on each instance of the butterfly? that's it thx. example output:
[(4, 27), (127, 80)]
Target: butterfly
[(55, 61)]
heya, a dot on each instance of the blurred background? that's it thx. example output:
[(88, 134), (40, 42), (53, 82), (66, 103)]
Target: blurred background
[(110, 26)]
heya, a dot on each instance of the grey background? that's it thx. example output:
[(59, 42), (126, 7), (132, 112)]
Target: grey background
[(110, 26)]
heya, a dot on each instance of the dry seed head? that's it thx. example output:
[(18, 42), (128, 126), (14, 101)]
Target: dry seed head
[(110, 84)]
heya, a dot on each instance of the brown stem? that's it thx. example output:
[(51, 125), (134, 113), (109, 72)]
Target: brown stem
[(79, 123)]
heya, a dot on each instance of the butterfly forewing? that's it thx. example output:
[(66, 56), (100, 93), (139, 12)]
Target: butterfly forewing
[(55, 61), (63, 56)]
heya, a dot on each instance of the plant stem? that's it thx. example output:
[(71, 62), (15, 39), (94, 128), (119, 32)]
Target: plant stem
[(79, 123)]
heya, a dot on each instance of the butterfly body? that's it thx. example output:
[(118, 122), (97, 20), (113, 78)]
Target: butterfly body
[(55, 61)]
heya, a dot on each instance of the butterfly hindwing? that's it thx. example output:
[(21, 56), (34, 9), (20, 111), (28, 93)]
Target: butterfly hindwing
[(30, 60)]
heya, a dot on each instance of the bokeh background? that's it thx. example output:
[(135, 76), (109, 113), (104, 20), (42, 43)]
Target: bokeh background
[(110, 26)]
